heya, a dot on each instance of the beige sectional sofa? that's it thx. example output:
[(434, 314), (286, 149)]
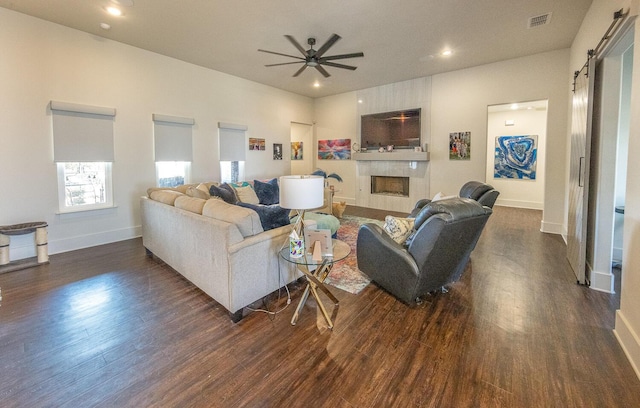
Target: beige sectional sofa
[(221, 248)]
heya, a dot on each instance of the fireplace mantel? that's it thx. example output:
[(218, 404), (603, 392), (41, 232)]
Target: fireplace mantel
[(401, 155)]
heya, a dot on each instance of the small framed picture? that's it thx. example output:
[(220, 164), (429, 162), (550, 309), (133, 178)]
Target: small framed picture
[(256, 144), (277, 151)]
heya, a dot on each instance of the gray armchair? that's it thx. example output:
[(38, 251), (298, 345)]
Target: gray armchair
[(483, 193), (446, 232)]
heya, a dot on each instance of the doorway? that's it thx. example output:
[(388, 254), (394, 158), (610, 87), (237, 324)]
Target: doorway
[(523, 187), (609, 164)]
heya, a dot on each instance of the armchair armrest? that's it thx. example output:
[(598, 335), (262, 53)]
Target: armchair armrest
[(385, 261)]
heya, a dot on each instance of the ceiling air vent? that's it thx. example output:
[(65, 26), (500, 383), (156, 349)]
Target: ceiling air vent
[(537, 21)]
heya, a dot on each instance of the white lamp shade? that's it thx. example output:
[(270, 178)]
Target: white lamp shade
[(301, 192)]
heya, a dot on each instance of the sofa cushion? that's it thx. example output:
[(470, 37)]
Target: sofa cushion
[(165, 196), (247, 221), (226, 193), (192, 204), (271, 216), (399, 229), (268, 193), (246, 194), (204, 187)]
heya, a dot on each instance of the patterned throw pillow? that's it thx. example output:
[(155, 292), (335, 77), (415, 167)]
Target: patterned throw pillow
[(398, 229)]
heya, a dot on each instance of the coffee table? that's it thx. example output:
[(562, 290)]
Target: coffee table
[(316, 272)]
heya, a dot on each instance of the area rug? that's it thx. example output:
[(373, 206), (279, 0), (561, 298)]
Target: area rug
[(345, 274)]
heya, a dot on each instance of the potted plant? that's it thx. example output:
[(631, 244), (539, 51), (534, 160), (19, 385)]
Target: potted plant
[(326, 176)]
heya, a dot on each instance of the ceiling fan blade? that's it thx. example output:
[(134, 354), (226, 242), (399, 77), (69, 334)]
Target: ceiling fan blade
[(327, 45), (333, 64), (342, 56), (296, 44), (323, 71), (284, 55), (298, 72), (284, 63)]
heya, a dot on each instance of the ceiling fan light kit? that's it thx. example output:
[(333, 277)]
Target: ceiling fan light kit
[(315, 58)]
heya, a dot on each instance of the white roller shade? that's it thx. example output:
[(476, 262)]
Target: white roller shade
[(233, 144), (172, 137), (82, 133)]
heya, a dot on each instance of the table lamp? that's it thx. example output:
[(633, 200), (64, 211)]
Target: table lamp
[(301, 193)]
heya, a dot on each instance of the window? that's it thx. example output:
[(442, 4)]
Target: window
[(84, 186), (231, 171), (232, 149), (172, 173), (83, 152), (173, 149)]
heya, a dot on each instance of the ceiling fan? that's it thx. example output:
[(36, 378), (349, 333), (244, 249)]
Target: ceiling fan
[(314, 58)]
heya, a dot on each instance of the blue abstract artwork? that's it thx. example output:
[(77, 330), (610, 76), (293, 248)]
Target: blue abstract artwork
[(516, 157)]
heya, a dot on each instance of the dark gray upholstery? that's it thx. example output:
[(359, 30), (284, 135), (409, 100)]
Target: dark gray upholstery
[(446, 232), (483, 193)]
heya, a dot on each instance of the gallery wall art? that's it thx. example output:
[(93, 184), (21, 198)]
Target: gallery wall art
[(277, 151), (334, 149), (460, 146), (296, 150), (256, 144), (516, 157)]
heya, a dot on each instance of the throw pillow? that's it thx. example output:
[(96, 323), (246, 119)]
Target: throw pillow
[(441, 196), (225, 194), (204, 188), (398, 229), (246, 194), (241, 184), (271, 216), (268, 193), (197, 193)]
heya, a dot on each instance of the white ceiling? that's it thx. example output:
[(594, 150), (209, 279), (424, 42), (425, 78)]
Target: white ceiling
[(401, 40)]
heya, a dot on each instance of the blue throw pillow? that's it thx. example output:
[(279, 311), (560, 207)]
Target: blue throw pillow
[(271, 216), (268, 193), (227, 194)]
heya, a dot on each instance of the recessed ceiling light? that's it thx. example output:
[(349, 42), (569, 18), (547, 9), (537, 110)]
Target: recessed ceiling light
[(105, 26), (114, 11), (359, 100), (316, 84), (446, 53), (514, 106)]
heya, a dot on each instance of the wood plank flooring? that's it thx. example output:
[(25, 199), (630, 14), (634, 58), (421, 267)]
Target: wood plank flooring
[(109, 326)]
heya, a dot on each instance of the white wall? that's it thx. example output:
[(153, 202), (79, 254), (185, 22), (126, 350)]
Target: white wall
[(459, 103), (42, 61), (513, 192), (336, 118)]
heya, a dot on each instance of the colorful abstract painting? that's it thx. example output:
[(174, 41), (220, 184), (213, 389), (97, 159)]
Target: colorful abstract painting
[(335, 149), (296, 150), (516, 157)]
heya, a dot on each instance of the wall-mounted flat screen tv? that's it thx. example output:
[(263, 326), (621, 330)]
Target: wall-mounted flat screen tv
[(399, 128)]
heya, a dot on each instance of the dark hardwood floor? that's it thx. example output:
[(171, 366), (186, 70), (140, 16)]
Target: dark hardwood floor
[(109, 326)]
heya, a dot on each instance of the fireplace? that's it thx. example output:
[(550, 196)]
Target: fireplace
[(390, 185)]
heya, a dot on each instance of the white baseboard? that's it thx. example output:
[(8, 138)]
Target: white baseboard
[(90, 240), (551, 228), (602, 281), (629, 341), (520, 204)]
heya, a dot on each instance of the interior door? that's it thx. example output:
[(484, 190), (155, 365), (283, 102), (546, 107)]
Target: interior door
[(579, 170)]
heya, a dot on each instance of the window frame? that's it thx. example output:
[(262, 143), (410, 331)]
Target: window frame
[(63, 208)]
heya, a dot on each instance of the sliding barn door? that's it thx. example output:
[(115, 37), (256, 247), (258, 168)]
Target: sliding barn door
[(579, 171)]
